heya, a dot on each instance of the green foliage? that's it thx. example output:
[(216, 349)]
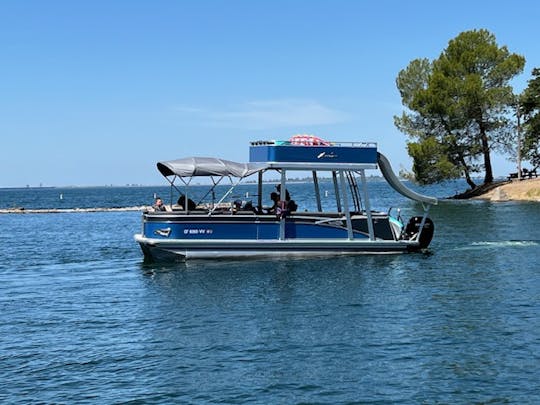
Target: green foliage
[(431, 164), (530, 107), (457, 107)]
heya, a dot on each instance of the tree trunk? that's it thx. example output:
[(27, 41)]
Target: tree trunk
[(488, 178), (468, 178)]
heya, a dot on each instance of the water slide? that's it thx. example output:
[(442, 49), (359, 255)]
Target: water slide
[(393, 180)]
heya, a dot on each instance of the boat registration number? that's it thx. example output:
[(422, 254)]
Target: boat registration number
[(198, 231)]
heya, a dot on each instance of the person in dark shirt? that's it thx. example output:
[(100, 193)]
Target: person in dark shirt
[(291, 204), (275, 200), (158, 205), (287, 195), (190, 203)]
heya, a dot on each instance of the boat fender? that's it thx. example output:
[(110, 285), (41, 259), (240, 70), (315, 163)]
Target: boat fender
[(413, 227)]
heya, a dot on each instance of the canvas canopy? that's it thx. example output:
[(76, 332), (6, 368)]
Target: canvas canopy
[(207, 166)]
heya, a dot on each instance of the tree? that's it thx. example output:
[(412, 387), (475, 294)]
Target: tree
[(458, 107), (529, 105)]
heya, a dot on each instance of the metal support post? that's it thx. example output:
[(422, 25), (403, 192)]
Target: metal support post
[(367, 205), (350, 234), (317, 191)]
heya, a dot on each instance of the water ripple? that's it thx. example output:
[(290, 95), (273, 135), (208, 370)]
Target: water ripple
[(84, 320)]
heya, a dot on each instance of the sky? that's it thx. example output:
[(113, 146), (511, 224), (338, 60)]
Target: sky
[(96, 92)]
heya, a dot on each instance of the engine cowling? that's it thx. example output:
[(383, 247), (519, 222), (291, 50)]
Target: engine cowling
[(413, 227)]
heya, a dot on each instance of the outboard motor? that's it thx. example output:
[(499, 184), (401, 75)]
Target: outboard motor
[(413, 227)]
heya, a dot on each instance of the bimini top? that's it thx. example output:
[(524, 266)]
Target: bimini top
[(207, 166)]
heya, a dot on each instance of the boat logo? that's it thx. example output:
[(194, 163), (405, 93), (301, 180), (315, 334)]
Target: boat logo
[(163, 232), (330, 155)]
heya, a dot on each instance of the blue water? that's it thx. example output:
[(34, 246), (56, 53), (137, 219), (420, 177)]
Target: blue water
[(84, 320)]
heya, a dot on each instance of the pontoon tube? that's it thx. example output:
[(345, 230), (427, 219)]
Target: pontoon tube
[(393, 180)]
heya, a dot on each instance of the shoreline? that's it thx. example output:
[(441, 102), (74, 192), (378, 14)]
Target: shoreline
[(515, 190), (525, 190)]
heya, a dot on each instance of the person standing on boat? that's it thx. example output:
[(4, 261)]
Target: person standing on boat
[(158, 205)]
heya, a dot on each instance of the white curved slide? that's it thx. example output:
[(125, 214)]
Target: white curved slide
[(393, 180)]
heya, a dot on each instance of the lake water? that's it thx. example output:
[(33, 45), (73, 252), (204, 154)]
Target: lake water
[(83, 320)]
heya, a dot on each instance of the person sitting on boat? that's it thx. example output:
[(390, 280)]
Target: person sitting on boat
[(248, 206), (290, 204), (281, 207), (190, 203), (275, 200), (287, 195), (236, 206), (158, 205)]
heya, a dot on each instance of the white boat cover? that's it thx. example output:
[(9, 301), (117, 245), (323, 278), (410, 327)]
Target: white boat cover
[(207, 166)]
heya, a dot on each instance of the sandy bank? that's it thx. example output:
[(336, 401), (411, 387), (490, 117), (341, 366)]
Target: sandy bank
[(525, 190)]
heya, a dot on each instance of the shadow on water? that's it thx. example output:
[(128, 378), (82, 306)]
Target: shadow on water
[(297, 263), (310, 277)]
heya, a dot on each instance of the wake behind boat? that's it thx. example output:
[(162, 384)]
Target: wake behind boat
[(232, 228)]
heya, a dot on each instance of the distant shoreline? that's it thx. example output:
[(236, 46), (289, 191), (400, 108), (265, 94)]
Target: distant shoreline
[(72, 187), (247, 182), (68, 210)]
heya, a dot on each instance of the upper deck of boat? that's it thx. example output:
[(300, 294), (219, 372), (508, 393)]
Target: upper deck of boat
[(326, 156)]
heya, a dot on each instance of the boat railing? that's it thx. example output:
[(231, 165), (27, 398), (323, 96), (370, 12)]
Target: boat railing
[(330, 144)]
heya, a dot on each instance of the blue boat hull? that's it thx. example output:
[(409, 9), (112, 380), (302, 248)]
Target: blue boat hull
[(176, 236)]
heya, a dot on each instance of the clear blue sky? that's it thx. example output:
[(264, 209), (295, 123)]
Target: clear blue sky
[(95, 92)]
